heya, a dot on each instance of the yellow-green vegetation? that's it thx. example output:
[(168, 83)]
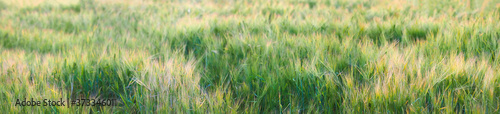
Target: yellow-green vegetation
[(253, 56)]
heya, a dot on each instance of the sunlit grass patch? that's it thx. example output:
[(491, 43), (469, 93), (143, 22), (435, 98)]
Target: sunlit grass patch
[(285, 56), (27, 75), (33, 3)]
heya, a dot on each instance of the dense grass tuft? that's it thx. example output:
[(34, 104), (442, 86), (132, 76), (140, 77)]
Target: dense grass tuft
[(285, 56)]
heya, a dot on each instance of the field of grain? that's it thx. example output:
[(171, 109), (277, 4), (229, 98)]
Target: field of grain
[(252, 56)]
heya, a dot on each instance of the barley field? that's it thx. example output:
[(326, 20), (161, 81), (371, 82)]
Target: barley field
[(252, 56)]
